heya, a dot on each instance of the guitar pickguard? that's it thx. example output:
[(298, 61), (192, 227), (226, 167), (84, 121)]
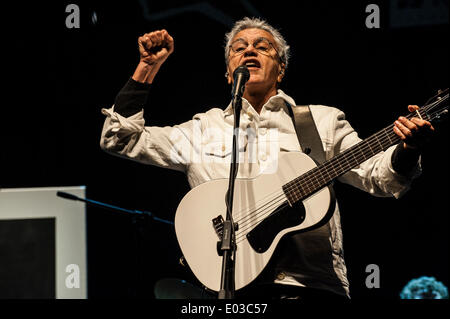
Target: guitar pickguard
[(285, 216)]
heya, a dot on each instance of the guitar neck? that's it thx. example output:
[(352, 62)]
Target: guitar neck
[(319, 177)]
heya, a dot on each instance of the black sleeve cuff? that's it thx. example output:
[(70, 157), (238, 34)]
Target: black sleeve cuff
[(403, 162), (131, 98)]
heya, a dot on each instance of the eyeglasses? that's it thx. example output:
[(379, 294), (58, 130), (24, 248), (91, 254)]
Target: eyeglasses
[(262, 45)]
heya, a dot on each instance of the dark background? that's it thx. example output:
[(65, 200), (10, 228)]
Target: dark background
[(58, 79)]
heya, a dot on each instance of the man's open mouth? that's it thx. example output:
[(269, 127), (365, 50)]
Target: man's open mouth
[(252, 64)]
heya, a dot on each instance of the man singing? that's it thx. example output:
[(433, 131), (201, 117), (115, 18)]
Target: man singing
[(307, 265)]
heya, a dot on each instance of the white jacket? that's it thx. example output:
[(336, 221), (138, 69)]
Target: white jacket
[(201, 148)]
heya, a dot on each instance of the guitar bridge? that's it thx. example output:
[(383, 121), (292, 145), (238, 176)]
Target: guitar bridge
[(218, 226)]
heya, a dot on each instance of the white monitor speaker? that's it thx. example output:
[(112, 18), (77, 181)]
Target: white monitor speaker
[(42, 244)]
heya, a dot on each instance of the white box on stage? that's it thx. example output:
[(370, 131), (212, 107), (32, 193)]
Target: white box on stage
[(42, 244)]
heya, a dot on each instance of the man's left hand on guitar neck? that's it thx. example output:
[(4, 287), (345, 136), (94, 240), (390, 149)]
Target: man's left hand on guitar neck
[(415, 134)]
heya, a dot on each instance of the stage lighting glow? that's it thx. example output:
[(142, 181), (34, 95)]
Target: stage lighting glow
[(424, 288)]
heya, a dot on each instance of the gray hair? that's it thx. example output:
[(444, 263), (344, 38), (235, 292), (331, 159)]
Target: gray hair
[(250, 23)]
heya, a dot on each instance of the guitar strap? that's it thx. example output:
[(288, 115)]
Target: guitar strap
[(307, 133)]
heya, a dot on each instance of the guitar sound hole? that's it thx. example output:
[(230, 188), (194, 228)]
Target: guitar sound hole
[(285, 216)]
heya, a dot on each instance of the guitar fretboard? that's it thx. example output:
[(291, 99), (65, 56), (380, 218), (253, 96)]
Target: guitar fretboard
[(317, 178)]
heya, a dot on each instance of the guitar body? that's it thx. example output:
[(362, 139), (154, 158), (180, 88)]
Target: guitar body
[(263, 216)]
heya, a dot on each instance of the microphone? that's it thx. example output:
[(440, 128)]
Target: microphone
[(240, 76)]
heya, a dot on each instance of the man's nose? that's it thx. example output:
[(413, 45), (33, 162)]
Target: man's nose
[(250, 51)]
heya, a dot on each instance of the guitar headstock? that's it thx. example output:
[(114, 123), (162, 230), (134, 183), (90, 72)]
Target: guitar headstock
[(436, 108)]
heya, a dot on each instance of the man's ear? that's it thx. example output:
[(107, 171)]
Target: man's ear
[(228, 76), (282, 69)]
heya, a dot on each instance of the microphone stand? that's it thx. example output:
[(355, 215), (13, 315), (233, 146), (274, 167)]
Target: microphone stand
[(112, 207), (228, 244), (140, 289)]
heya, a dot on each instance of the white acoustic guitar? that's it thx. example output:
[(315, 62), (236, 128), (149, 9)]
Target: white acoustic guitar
[(295, 199)]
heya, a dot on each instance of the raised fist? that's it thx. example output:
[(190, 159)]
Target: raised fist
[(155, 47)]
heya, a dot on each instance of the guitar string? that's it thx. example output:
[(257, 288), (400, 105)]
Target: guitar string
[(264, 200), (332, 162), (267, 206), (250, 222), (265, 212), (256, 216), (261, 215), (242, 234), (306, 177), (388, 134), (280, 196), (307, 182), (274, 203)]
